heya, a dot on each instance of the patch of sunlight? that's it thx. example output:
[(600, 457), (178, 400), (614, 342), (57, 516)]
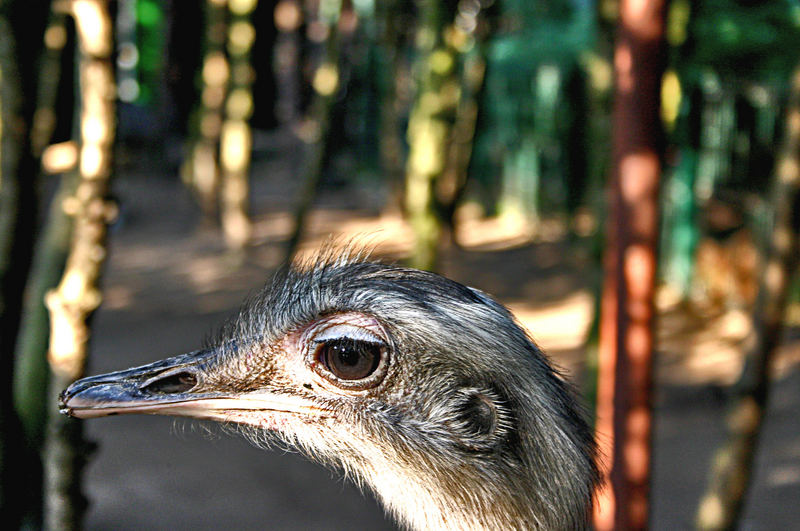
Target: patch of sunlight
[(793, 314), (506, 232), (441, 61), (61, 157), (493, 234), (94, 26), (786, 359), (215, 69), (240, 103), (271, 226), (425, 156), (562, 325), (241, 36), (91, 160), (206, 274), (601, 73), (55, 37), (713, 360), (735, 325), (326, 79), (670, 98), (667, 298), (235, 145), (388, 234), (288, 16), (117, 297), (677, 22), (242, 7), (786, 475)]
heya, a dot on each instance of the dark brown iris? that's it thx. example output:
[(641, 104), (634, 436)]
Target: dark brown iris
[(349, 359)]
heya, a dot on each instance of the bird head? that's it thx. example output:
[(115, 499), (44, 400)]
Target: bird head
[(423, 389)]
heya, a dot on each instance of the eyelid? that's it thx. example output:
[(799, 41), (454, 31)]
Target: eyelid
[(347, 331)]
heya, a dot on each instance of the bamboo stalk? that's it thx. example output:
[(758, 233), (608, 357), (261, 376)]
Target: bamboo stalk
[(391, 141), (472, 35), (429, 130), (72, 303), (326, 86), (200, 171), (31, 371), (55, 39), (236, 139)]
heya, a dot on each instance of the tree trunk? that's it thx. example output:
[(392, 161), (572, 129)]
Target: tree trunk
[(55, 39), (18, 212), (391, 141), (732, 465), (326, 86), (475, 31), (429, 129), (624, 417), (31, 371), (288, 15), (72, 303)]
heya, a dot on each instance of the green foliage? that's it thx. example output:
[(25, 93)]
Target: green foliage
[(733, 59), (744, 39), (528, 112), (150, 35)]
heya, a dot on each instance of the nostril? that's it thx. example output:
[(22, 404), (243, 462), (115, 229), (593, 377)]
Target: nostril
[(176, 382)]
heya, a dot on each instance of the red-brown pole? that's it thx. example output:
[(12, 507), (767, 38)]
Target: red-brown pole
[(624, 411)]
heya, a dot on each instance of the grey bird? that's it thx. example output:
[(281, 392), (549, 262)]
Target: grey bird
[(423, 389)]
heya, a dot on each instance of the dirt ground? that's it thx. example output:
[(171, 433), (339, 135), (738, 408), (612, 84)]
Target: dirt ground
[(169, 284)]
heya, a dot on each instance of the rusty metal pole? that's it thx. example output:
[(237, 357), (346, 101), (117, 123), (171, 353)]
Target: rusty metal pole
[(624, 407)]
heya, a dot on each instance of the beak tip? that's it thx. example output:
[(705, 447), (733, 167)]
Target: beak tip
[(63, 408), (80, 395)]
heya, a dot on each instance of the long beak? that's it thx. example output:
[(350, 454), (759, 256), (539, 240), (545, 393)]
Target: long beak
[(175, 386)]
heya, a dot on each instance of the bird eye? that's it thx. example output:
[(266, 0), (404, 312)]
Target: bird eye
[(351, 350), (349, 359)]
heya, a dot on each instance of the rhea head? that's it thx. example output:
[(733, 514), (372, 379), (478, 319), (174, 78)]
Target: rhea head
[(423, 389)]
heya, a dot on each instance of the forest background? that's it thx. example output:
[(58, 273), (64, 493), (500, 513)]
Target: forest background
[(624, 175)]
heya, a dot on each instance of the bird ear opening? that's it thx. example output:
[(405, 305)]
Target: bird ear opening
[(482, 419)]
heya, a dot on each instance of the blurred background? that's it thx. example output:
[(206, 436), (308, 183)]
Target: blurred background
[(160, 160)]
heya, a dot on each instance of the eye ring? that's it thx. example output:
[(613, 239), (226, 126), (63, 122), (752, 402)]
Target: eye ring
[(349, 350)]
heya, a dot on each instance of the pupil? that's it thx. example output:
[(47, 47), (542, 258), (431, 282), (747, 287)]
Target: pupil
[(348, 355)]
